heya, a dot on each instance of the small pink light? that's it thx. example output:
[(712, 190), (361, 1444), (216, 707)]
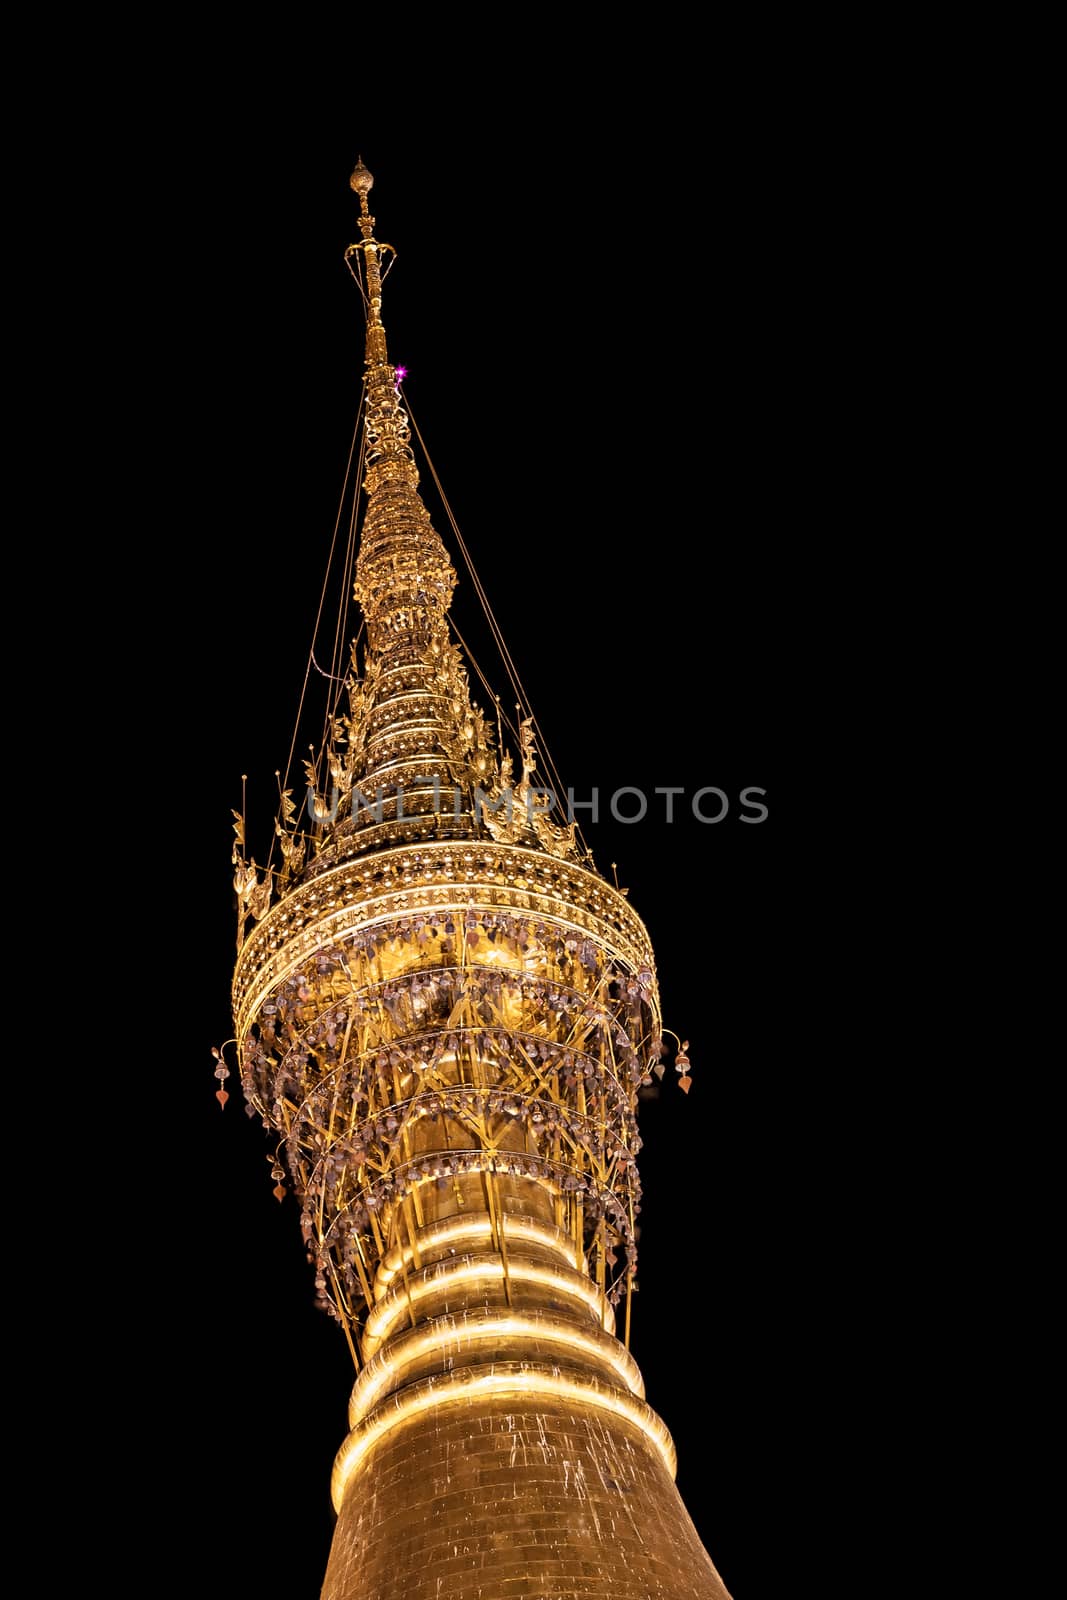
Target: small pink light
[(401, 374)]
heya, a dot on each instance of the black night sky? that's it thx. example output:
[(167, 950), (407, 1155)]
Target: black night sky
[(611, 328)]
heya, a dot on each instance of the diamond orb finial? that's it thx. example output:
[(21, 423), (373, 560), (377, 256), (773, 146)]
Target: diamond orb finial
[(361, 180)]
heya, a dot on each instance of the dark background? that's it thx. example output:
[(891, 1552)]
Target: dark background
[(629, 339)]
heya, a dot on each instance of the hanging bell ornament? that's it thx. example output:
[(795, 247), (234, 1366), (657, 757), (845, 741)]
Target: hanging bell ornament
[(222, 1072), (681, 1066)]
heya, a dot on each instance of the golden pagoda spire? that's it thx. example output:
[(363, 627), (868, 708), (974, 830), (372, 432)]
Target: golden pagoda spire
[(444, 1023), (412, 756)]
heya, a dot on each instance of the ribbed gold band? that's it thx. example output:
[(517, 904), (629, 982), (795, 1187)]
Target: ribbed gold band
[(502, 1380), (403, 1299), (458, 1338)]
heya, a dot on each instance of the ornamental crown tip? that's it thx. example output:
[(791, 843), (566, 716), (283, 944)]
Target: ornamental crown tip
[(361, 180)]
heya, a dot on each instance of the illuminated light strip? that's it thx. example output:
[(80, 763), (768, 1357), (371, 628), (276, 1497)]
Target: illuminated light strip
[(478, 1230), (486, 878), (385, 1316), (368, 904), (328, 925), (379, 900), (511, 1380), (402, 730), (388, 1367)]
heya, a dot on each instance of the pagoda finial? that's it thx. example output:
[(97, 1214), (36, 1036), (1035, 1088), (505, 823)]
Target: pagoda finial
[(414, 734), (371, 250), (362, 182)]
